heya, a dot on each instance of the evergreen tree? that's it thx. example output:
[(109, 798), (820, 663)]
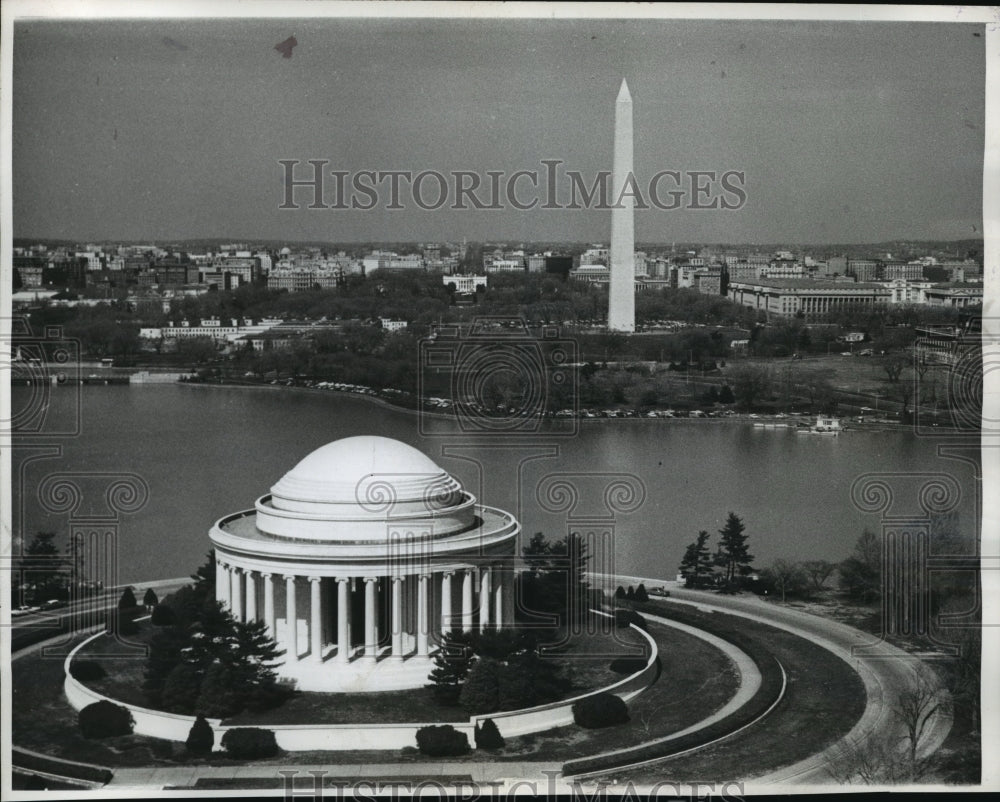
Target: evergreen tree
[(219, 696), (201, 738), (481, 690), (697, 561), (641, 594), (182, 688), (451, 666), (127, 600), (488, 735), (733, 554), (150, 600)]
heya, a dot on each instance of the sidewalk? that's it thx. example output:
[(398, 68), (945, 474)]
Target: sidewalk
[(447, 772)]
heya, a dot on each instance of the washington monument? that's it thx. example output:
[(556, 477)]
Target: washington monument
[(621, 294)]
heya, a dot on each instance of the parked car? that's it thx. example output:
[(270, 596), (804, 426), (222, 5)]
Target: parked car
[(22, 609), (52, 604)]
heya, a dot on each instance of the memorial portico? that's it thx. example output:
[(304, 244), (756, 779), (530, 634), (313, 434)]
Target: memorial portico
[(360, 559)]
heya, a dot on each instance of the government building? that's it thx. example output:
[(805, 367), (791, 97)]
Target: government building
[(360, 559)]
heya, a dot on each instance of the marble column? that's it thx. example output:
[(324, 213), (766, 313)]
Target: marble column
[(343, 620), (397, 618), (316, 621), (500, 579), (268, 581), (423, 616), (236, 592), (484, 599), (251, 596), (467, 600), (445, 603), (291, 621), (509, 585), (371, 618)]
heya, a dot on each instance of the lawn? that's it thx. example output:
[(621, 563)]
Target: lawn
[(587, 660), (44, 721)]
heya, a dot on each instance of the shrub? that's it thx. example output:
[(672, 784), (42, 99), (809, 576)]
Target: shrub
[(163, 615), (162, 749), (630, 593), (87, 670), (127, 601), (409, 750), (201, 738), (620, 592), (119, 622), (624, 618), (104, 719), (640, 593), (442, 741), (627, 665), (247, 743), (600, 710), (488, 735), (150, 599)]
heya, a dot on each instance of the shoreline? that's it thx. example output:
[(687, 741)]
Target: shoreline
[(791, 425)]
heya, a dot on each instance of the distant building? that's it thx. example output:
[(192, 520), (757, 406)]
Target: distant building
[(465, 284), (391, 326), (814, 299), (954, 295)]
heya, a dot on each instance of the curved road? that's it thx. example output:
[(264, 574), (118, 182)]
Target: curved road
[(883, 668)]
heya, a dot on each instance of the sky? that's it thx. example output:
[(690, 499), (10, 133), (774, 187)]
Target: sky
[(173, 129)]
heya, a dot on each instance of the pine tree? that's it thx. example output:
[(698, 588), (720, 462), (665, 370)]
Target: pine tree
[(219, 696), (150, 600), (733, 554), (697, 561), (182, 688), (481, 690), (451, 667)]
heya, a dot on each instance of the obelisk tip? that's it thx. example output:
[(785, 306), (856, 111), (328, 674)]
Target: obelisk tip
[(623, 93)]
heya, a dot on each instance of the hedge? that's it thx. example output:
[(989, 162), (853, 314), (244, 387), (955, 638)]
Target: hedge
[(105, 719), (248, 743), (600, 710), (728, 628), (87, 670), (442, 741)]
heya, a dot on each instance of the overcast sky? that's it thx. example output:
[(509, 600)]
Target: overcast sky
[(846, 132)]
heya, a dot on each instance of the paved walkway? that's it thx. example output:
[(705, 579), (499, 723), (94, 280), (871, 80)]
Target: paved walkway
[(883, 669), (501, 772)]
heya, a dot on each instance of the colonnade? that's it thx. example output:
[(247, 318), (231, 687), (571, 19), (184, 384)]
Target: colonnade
[(237, 589)]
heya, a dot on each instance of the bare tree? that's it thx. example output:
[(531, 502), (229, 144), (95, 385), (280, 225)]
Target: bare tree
[(915, 707), (818, 572), (893, 366), (871, 763), (787, 577)]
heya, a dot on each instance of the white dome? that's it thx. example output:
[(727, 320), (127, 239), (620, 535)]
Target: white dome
[(351, 488), (367, 471)]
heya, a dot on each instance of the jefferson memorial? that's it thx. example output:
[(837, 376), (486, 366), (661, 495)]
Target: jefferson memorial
[(360, 559)]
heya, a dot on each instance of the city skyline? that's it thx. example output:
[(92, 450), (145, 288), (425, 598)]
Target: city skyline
[(846, 132)]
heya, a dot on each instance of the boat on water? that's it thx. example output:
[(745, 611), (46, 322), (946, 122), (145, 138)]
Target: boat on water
[(825, 425)]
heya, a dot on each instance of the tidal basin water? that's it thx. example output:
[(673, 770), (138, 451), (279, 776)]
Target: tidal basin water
[(648, 485)]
